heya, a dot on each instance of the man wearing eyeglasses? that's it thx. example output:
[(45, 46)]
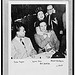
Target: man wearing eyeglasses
[(50, 17)]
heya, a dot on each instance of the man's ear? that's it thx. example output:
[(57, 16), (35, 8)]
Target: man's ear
[(17, 33)]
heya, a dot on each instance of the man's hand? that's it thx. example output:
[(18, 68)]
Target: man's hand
[(48, 34), (61, 32), (55, 21)]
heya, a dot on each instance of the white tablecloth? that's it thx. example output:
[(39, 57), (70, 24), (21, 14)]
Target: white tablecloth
[(43, 55)]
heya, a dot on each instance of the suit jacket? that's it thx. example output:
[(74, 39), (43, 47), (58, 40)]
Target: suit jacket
[(18, 51), (52, 16), (56, 27), (53, 41)]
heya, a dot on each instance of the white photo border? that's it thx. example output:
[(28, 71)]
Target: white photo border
[(10, 61)]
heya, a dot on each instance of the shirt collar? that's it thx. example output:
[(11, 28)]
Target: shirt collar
[(18, 39)]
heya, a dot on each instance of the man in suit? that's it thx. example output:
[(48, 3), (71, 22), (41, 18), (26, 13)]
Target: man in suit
[(54, 21), (47, 40), (50, 17), (21, 46)]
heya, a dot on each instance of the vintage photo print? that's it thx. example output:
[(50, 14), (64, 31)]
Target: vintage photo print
[(38, 38), (38, 30)]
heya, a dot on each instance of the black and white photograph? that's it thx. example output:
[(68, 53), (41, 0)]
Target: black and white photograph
[(38, 31), (37, 37)]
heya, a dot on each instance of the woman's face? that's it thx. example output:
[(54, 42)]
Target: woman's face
[(21, 32), (43, 26), (40, 15)]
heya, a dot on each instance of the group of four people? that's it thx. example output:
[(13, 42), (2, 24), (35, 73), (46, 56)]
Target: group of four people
[(45, 36)]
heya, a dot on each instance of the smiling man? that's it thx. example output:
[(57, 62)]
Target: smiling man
[(47, 40)]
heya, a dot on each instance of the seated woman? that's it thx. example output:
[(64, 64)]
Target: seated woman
[(46, 39)]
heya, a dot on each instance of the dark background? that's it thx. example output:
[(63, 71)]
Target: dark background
[(18, 11), (28, 15)]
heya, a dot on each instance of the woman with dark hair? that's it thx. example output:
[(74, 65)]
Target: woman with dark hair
[(40, 17)]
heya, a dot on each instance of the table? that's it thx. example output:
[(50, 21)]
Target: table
[(43, 55)]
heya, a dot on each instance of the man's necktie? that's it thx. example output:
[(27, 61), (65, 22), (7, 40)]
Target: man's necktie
[(22, 43), (24, 46), (49, 20)]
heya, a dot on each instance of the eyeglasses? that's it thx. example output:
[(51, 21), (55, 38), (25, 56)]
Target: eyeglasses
[(49, 9)]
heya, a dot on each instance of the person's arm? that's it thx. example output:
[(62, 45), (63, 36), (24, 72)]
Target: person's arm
[(33, 51), (13, 52), (41, 43), (55, 21), (38, 31), (55, 40), (64, 20)]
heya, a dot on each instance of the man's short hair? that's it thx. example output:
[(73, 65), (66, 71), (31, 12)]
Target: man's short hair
[(18, 25), (49, 7), (16, 28), (42, 22)]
